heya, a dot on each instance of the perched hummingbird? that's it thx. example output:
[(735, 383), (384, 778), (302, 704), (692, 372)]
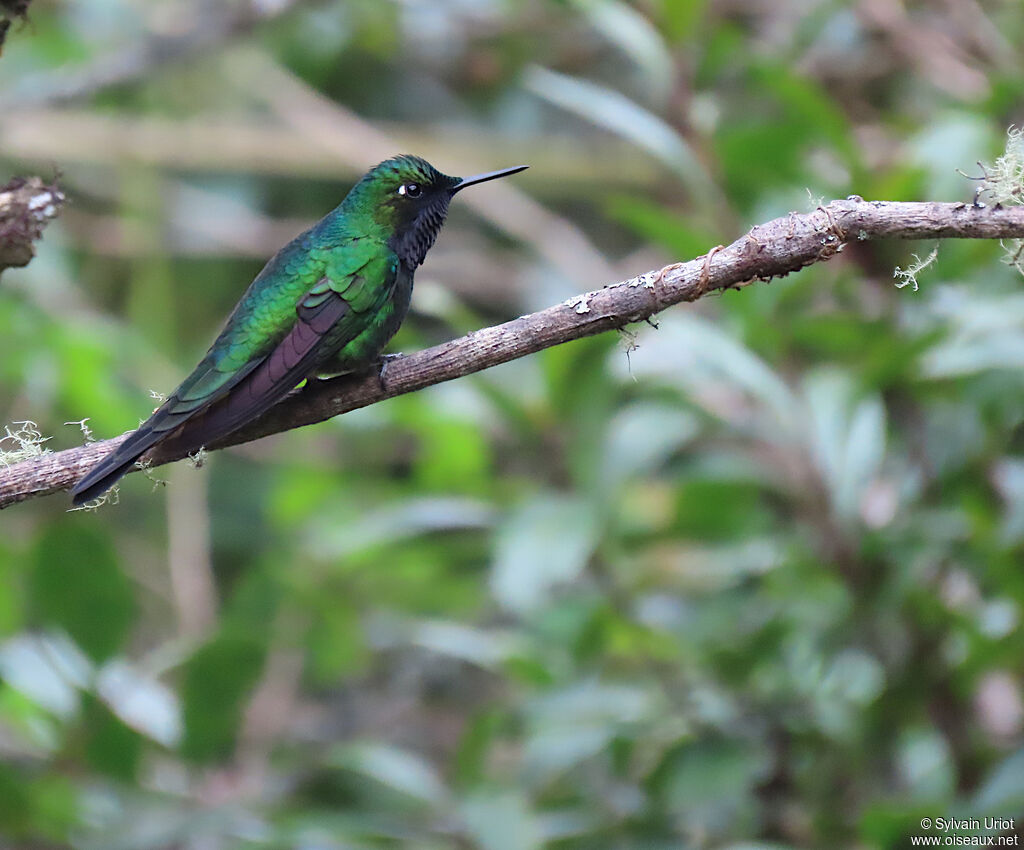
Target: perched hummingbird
[(328, 301)]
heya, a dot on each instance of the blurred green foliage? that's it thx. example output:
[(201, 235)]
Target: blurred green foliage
[(751, 579)]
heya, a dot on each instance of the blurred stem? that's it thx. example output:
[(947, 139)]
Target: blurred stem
[(213, 23), (272, 706), (151, 302), (259, 145), (152, 308), (935, 55), (188, 551)]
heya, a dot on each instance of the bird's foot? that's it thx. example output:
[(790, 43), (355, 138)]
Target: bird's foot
[(382, 368)]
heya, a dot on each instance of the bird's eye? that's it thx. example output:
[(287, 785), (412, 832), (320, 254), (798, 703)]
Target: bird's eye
[(410, 190)]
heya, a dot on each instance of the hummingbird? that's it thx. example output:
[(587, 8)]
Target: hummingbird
[(327, 302)]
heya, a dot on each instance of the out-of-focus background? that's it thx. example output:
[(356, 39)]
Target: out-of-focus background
[(750, 579)]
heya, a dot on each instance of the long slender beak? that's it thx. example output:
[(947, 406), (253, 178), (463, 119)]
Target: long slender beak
[(483, 178)]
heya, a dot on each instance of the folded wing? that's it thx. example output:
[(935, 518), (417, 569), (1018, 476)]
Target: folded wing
[(212, 402)]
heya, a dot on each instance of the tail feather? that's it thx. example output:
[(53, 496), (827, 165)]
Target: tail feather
[(165, 421), (106, 473)]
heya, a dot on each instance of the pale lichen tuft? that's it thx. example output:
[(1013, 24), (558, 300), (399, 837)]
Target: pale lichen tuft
[(146, 468), (25, 442), (111, 497), (908, 276), (83, 425), (1004, 179), (1003, 182)]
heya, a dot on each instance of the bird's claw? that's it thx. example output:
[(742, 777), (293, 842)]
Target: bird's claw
[(382, 368)]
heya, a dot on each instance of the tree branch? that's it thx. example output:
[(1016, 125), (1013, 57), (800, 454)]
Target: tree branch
[(768, 250)]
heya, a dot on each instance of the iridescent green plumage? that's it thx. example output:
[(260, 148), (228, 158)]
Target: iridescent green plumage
[(328, 301)]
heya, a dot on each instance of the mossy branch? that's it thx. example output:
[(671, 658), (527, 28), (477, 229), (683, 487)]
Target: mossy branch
[(27, 204), (768, 250)]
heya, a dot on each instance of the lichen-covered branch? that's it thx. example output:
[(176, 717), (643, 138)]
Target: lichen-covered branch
[(26, 205), (768, 250)]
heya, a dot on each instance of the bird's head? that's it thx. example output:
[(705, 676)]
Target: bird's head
[(409, 197)]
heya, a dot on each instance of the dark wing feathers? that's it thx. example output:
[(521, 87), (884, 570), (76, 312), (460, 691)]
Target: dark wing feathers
[(211, 403), (295, 357), (262, 383), (225, 391)]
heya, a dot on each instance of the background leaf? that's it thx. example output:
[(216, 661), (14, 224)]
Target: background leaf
[(542, 544), (77, 584)]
